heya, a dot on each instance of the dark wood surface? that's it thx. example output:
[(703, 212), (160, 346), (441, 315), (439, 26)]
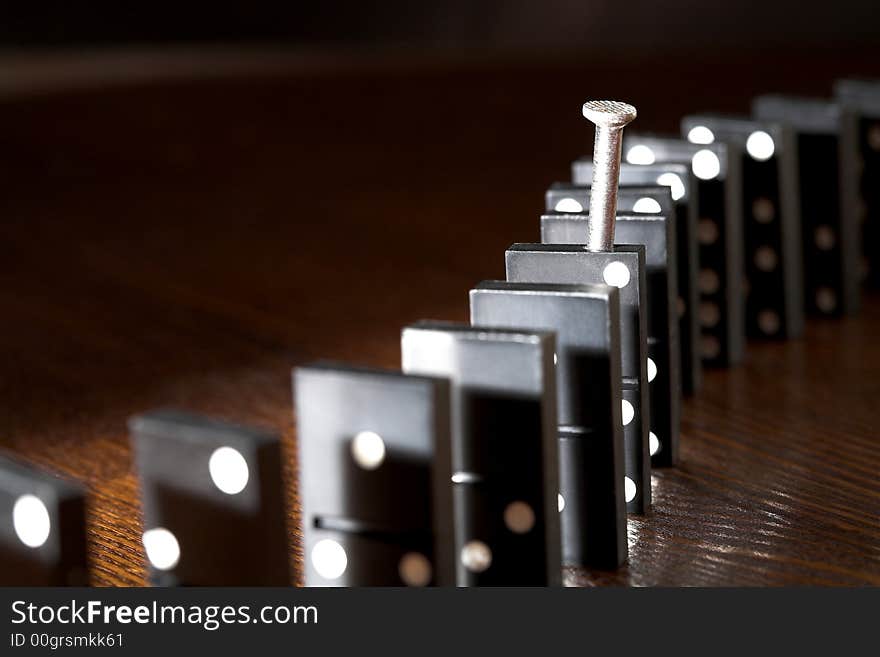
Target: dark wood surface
[(187, 243)]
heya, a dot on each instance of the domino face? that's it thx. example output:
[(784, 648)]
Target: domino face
[(771, 229), (682, 186), (829, 228), (213, 501), (505, 459), (586, 321), (860, 148), (42, 528), (625, 269), (656, 234), (374, 477), (720, 280), (574, 198)]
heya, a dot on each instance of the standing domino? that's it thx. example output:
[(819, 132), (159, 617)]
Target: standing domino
[(374, 477), (505, 459), (586, 321), (213, 501), (42, 528)]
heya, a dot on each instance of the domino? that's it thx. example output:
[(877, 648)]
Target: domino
[(718, 169), (505, 458), (623, 268), (574, 198), (375, 477), (586, 321), (771, 227), (43, 528), (682, 185), (656, 233), (213, 501), (860, 182), (829, 229)]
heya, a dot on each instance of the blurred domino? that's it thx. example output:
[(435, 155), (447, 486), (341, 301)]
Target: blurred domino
[(718, 169), (829, 228), (43, 528), (771, 228), (860, 146), (213, 501)]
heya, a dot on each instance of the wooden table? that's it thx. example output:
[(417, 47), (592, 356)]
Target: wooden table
[(186, 243)]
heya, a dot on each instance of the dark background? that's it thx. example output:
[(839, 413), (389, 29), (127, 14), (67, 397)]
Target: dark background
[(479, 24), (197, 197)]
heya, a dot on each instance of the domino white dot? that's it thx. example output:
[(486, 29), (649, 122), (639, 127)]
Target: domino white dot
[(825, 237), (646, 205), (760, 146), (329, 559), (476, 556), (768, 322), (652, 369), (826, 299), (30, 519), (710, 347), (705, 164), (710, 313), (707, 231), (653, 443), (368, 450), (415, 569), (675, 184), (162, 548), (628, 413), (765, 258), (708, 281), (568, 205), (616, 274), (763, 210), (519, 517), (560, 502), (700, 134), (640, 154), (229, 470), (629, 489)]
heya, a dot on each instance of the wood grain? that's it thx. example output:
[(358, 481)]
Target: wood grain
[(186, 243)]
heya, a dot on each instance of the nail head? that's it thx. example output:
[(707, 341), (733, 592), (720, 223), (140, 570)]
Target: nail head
[(609, 113)]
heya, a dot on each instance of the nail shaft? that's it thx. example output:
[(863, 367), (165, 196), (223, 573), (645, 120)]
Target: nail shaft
[(610, 117)]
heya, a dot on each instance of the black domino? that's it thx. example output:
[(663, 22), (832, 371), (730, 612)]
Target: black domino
[(375, 478), (829, 228), (718, 169), (505, 457), (860, 151), (42, 528), (657, 234), (771, 219), (213, 501), (586, 321), (623, 268)]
